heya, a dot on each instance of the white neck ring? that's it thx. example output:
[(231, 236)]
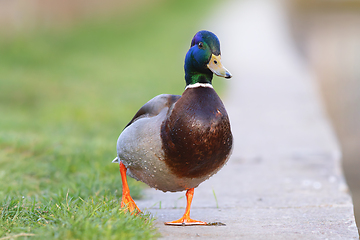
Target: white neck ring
[(196, 85)]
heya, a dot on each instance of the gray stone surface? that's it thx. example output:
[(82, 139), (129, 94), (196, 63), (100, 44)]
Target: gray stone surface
[(284, 179)]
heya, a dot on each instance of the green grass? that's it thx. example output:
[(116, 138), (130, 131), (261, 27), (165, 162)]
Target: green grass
[(62, 217), (65, 96)]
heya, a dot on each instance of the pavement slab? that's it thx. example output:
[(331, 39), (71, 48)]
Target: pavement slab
[(284, 178)]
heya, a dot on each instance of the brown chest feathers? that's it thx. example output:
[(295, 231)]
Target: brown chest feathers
[(196, 138)]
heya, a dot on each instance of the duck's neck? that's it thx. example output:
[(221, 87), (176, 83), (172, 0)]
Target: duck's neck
[(198, 77), (196, 85), (194, 73)]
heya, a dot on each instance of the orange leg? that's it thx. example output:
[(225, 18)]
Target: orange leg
[(127, 201), (186, 220)]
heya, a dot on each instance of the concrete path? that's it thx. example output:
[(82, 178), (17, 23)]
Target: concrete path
[(284, 179)]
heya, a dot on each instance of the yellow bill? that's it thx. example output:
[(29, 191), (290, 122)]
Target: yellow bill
[(217, 68)]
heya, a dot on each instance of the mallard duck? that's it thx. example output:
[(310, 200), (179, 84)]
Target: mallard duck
[(174, 143)]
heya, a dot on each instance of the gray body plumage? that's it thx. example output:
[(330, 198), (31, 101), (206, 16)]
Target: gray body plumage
[(139, 148)]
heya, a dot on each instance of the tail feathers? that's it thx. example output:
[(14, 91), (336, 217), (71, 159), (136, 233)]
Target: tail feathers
[(116, 160)]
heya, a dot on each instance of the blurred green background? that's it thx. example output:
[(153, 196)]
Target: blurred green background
[(72, 74)]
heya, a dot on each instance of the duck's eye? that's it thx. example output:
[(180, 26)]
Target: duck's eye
[(200, 44), (215, 61)]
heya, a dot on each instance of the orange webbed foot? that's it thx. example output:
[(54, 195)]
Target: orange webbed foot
[(127, 202), (186, 220)]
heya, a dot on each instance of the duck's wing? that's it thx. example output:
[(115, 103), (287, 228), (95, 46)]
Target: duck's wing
[(154, 106)]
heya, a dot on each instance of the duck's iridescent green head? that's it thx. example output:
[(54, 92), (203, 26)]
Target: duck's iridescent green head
[(203, 59)]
